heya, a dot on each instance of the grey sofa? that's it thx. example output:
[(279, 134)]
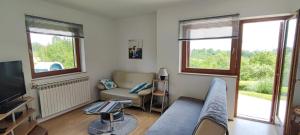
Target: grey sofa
[(189, 116), (125, 81)]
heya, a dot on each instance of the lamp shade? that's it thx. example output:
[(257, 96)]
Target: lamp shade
[(163, 72)]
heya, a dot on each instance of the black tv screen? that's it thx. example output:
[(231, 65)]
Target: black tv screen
[(12, 84)]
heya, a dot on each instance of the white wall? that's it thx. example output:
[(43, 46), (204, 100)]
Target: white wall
[(99, 41), (296, 98), (139, 27), (168, 52)]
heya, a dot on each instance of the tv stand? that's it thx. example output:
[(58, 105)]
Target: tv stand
[(6, 107), (18, 126)]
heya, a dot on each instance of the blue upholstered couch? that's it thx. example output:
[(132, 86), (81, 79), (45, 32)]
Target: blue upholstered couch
[(189, 116)]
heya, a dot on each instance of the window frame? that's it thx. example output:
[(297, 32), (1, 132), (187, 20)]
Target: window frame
[(185, 53), (57, 72)]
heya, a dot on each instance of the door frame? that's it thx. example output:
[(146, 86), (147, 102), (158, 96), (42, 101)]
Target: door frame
[(293, 77), (277, 68)]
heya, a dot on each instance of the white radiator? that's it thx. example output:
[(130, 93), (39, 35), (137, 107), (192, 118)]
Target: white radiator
[(63, 95)]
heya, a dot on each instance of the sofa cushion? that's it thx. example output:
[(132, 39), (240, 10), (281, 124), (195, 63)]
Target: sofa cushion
[(119, 94), (180, 118), (145, 92), (137, 88), (130, 79)]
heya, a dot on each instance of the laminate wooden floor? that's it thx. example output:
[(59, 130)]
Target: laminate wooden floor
[(76, 122)]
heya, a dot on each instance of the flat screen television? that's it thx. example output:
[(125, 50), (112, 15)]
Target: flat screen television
[(12, 84)]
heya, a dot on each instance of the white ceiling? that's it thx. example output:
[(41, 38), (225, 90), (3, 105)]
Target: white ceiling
[(117, 8)]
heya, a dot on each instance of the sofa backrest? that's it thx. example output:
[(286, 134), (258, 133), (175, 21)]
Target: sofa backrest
[(128, 80), (214, 112)]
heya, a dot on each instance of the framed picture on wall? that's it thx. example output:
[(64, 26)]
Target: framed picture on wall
[(135, 49)]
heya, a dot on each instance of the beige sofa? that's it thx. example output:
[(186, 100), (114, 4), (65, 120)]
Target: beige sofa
[(126, 81)]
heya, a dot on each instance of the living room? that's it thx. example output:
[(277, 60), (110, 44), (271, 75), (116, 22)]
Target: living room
[(110, 32)]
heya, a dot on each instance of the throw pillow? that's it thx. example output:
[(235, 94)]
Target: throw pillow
[(108, 84), (137, 87), (147, 86)]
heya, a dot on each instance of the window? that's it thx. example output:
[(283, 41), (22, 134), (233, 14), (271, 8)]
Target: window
[(209, 45), (54, 46)]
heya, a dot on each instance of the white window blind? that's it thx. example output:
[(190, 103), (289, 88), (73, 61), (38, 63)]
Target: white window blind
[(209, 28), (53, 27)]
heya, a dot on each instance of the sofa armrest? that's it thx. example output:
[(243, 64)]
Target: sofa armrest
[(208, 127), (145, 92), (101, 86)]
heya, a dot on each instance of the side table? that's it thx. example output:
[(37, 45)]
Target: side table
[(162, 92)]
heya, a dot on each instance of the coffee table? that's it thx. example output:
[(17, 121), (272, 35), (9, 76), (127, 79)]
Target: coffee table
[(111, 111)]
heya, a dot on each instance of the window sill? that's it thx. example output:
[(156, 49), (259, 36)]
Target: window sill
[(211, 75), (69, 75)]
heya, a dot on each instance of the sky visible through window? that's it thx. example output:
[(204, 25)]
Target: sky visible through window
[(265, 41), (48, 50), (41, 39), (292, 30)]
